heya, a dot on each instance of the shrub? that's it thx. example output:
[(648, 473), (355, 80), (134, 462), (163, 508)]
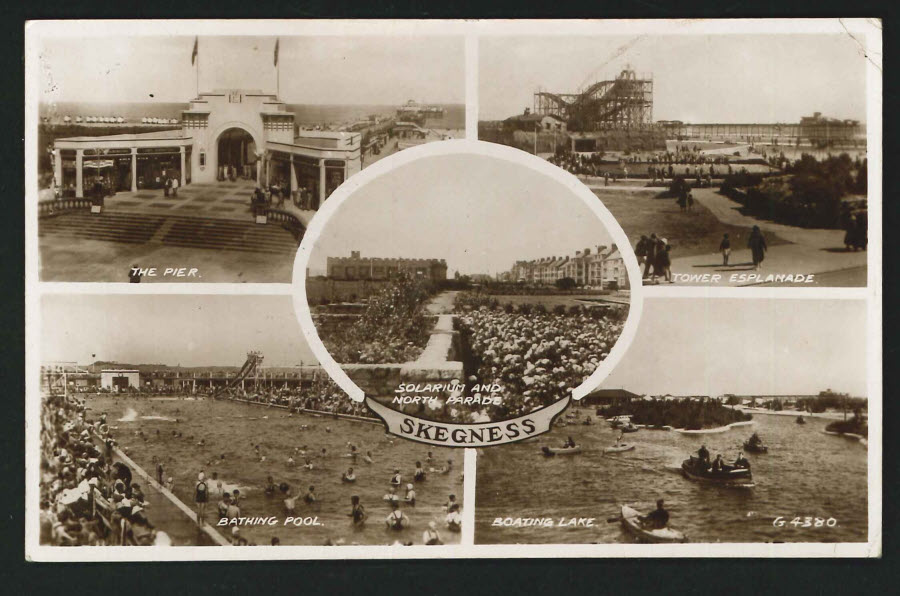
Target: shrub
[(393, 327), (565, 283)]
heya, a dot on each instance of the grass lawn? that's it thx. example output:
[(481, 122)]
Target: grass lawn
[(695, 233)]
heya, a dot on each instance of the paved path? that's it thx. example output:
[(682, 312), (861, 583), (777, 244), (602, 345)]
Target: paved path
[(222, 200), (442, 303), (168, 513), (728, 211), (811, 251)]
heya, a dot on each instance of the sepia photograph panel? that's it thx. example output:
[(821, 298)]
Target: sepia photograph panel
[(729, 159), (728, 420), (468, 299), (203, 158), (162, 427)]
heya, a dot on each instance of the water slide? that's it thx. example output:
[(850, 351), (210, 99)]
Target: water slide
[(254, 360)]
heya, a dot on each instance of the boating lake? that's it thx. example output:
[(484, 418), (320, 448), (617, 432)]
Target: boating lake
[(806, 473)]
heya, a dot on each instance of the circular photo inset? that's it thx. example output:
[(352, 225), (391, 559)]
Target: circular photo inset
[(466, 283)]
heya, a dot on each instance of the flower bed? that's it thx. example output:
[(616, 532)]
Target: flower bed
[(537, 354), (393, 327)]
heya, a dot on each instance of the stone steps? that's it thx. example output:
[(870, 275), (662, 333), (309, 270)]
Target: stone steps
[(175, 230)]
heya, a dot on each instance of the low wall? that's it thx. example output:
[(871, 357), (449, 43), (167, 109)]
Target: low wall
[(286, 220), (439, 363), (319, 290), (53, 207)]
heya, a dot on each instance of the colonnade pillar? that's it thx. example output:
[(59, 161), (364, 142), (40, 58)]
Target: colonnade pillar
[(293, 178), (322, 195), (57, 168), (79, 174), (134, 169), (181, 151)]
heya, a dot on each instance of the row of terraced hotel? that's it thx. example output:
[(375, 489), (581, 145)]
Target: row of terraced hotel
[(603, 269)]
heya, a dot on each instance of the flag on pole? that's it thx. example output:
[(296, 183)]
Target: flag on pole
[(276, 51), (194, 53)]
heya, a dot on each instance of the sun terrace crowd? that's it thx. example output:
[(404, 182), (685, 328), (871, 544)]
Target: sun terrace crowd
[(538, 354), (87, 498), (324, 396), (654, 165)]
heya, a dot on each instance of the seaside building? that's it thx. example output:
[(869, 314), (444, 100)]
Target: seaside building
[(603, 269), (530, 121), (118, 379), (241, 133), (373, 268)]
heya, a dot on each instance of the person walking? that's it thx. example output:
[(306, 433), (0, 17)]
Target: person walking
[(682, 200), (640, 250), (650, 256), (663, 261), (757, 245), (725, 249), (175, 184)]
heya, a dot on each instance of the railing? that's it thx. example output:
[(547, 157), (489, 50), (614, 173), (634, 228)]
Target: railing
[(56, 206), (288, 221)]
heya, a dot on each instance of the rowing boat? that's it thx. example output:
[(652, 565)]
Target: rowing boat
[(550, 451), (619, 448), (632, 524), (728, 476)]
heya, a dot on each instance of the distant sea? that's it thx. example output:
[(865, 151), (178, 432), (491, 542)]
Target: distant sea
[(306, 114)]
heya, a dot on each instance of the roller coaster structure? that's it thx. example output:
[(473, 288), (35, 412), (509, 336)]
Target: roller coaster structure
[(623, 103)]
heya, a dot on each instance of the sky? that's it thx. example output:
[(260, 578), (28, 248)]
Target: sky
[(186, 330), (426, 209), (696, 78), (684, 346), (691, 346), (314, 70)]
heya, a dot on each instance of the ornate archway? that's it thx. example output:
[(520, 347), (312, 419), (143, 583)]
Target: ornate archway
[(236, 145), (236, 154)]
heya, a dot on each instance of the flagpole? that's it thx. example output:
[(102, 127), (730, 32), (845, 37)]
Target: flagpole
[(195, 59)]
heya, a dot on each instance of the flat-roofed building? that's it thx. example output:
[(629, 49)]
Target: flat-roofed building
[(120, 379), (224, 134), (375, 268)]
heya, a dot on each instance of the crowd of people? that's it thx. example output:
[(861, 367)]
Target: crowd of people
[(90, 498), (86, 497), (400, 497), (323, 395), (538, 357), (653, 165), (653, 256)]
